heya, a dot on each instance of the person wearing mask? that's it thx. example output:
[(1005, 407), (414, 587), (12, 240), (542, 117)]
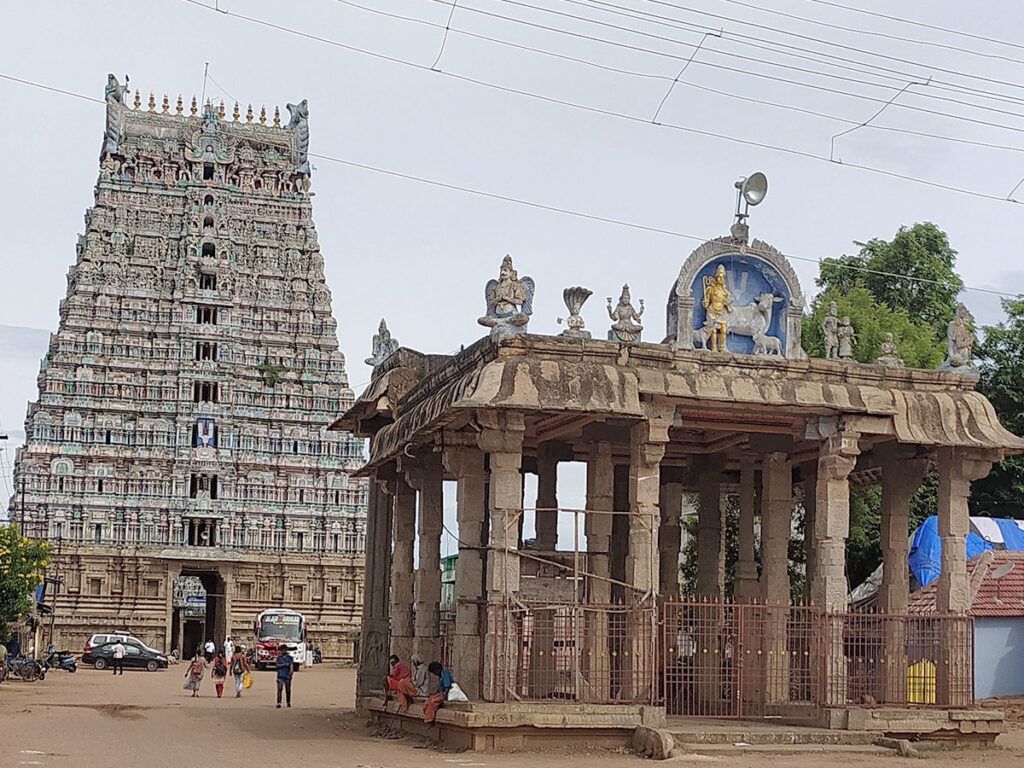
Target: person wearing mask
[(239, 666), (399, 682), (117, 659), (285, 665)]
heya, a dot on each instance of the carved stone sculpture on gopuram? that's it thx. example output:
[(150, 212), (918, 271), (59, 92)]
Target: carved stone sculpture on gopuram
[(509, 302), (890, 356), (183, 395), (574, 299), (625, 319)]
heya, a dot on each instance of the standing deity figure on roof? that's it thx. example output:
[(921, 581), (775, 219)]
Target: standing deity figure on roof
[(830, 331), (960, 339), (625, 319), (383, 345), (847, 338), (717, 304), (300, 121), (113, 95), (509, 302), (890, 356)]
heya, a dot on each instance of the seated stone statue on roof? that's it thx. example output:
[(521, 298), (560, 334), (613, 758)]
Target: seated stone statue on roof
[(509, 302)]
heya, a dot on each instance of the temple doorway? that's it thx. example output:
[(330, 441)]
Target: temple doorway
[(199, 611)]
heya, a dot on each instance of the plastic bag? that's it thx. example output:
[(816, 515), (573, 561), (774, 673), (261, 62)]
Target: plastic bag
[(247, 680), (455, 693)]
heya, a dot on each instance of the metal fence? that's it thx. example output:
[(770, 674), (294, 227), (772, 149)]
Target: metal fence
[(724, 660), (918, 660), (728, 660), (584, 653)]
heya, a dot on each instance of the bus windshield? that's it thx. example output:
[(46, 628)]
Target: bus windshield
[(278, 626)]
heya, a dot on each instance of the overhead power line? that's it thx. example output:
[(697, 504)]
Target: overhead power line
[(832, 43), (760, 62), (691, 85), (801, 52), (872, 33), (917, 23), (547, 206)]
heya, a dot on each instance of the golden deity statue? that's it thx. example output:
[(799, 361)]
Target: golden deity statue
[(717, 305)]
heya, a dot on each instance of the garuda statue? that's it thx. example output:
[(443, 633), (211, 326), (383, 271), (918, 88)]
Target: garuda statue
[(509, 302)]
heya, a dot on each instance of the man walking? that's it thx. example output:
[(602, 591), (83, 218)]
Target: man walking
[(117, 658), (285, 664), (209, 650)]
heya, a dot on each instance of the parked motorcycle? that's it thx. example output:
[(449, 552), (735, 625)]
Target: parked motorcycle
[(27, 669), (61, 660)]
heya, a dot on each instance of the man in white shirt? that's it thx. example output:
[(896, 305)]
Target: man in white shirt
[(229, 648), (210, 650), (117, 658)]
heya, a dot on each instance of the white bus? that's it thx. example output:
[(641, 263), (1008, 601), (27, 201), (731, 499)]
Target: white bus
[(276, 627)]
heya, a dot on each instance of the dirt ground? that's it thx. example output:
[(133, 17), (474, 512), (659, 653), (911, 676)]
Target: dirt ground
[(96, 720)]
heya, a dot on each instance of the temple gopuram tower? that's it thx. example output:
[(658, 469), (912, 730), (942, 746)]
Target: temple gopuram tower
[(177, 456)]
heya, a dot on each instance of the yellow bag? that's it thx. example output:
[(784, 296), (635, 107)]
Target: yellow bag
[(247, 680)]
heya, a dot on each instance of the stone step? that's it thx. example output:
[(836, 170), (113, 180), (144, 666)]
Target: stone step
[(766, 736)]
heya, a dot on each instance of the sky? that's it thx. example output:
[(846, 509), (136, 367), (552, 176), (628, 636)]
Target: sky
[(420, 254)]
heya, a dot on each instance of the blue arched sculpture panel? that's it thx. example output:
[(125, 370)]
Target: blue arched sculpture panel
[(747, 278)]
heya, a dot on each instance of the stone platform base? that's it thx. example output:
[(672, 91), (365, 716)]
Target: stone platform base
[(958, 726), (509, 727)]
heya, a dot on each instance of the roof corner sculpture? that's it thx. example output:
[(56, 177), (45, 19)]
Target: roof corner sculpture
[(960, 342), (300, 122), (574, 299), (113, 95), (509, 302), (625, 319), (383, 345)]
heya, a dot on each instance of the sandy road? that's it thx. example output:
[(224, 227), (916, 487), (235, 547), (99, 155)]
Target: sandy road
[(96, 720)]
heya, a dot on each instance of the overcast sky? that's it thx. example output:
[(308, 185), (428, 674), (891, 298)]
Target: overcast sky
[(420, 254)]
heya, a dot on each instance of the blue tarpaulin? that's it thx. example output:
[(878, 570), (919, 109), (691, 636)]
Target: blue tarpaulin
[(925, 559)]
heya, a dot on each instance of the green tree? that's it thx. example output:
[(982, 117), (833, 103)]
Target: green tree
[(21, 570), (914, 272), (871, 320), (1001, 355)]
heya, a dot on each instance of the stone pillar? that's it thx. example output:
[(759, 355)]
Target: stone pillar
[(836, 459), (425, 475), (547, 498), (403, 630), (776, 529), (810, 482), (900, 480), (598, 528), (647, 448), (542, 636), (501, 437), (957, 469), (373, 643), (745, 586), (466, 463), (710, 542), (668, 541)]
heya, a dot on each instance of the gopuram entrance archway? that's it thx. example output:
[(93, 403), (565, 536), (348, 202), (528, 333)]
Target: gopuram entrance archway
[(727, 409)]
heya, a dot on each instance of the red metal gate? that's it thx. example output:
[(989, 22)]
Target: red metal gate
[(730, 660)]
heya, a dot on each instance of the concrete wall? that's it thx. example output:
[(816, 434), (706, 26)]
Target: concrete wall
[(998, 657)]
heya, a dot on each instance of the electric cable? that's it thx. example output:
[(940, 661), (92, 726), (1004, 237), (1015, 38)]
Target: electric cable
[(568, 211)]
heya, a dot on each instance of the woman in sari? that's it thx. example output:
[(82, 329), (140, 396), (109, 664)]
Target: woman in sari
[(194, 674)]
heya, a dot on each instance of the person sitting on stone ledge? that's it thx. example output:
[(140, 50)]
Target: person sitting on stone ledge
[(419, 675), (399, 682), (439, 680)]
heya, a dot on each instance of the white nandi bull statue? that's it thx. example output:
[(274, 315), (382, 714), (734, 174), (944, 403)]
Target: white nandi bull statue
[(751, 320)]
